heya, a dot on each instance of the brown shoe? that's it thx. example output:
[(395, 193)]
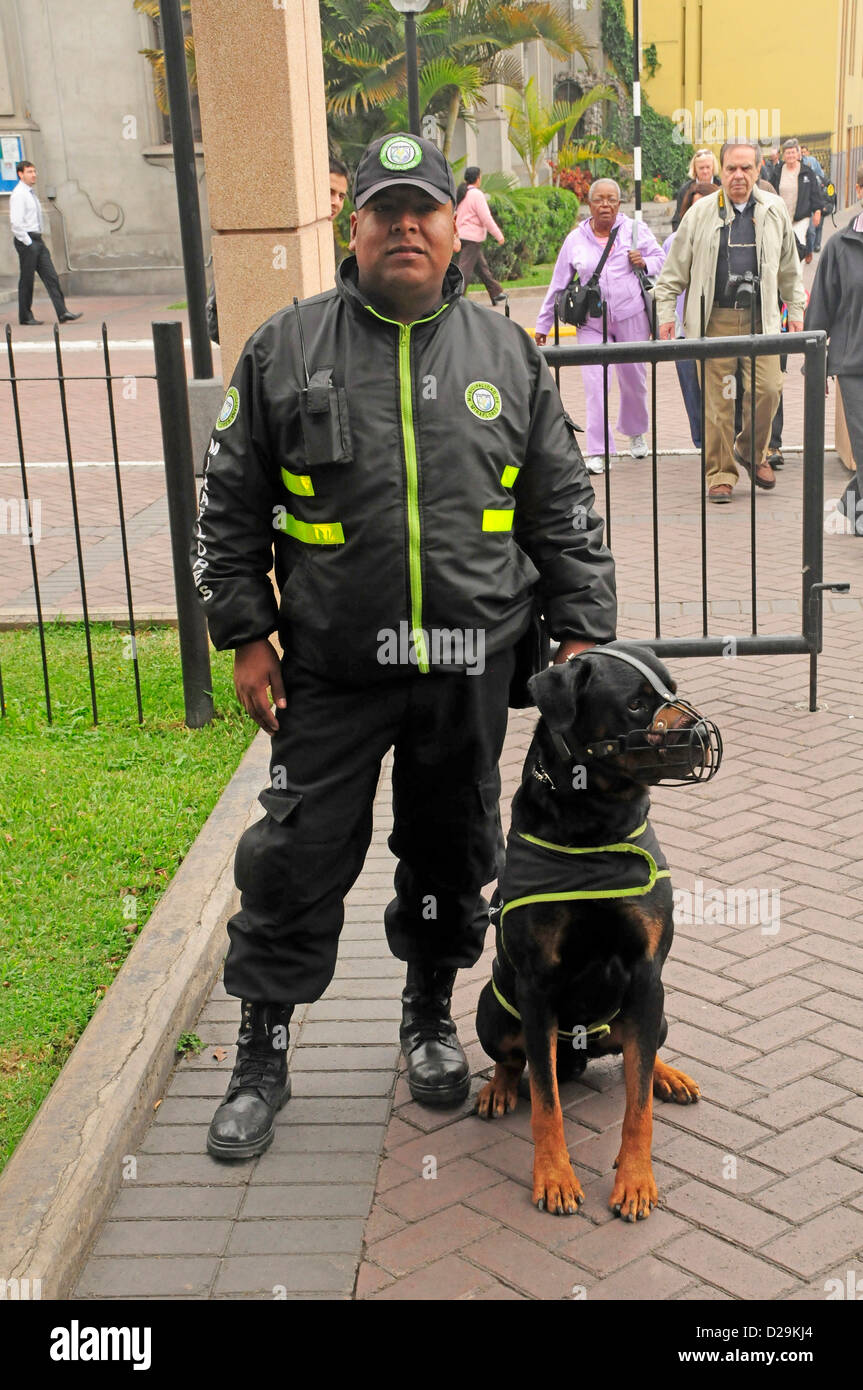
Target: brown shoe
[(720, 492), (764, 475)]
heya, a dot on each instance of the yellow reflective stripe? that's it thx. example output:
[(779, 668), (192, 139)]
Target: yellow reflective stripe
[(600, 1028), (509, 475), (299, 483), (311, 532), (497, 519)]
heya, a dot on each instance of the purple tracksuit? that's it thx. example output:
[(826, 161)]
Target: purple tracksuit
[(627, 319)]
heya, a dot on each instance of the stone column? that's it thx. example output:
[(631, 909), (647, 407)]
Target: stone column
[(261, 91)]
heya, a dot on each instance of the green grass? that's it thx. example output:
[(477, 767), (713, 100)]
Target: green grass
[(538, 277), (94, 823), (181, 305)]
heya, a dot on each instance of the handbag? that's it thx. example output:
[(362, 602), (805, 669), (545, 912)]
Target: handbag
[(578, 302), (647, 284)]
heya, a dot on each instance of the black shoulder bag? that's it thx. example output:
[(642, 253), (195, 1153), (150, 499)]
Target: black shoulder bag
[(579, 302)]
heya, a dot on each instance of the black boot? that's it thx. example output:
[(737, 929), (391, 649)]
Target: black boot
[(243, 1125), (438, 1071)]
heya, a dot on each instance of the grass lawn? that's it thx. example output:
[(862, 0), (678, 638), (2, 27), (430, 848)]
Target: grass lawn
[(94, 823), (538, 277)]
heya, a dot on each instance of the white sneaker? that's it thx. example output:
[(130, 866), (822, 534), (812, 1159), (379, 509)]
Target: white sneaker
[(639, 446), (595, 463)]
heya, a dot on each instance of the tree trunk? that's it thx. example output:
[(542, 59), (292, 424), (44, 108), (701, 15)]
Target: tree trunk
[(452, 117)]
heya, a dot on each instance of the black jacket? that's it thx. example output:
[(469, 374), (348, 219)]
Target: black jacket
[(836, 301), (427, 481), (809, 196)]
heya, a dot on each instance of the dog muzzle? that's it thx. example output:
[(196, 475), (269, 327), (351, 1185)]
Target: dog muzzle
[(680, 746)]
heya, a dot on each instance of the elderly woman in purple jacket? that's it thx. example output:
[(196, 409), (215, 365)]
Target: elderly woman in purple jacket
[(626, 314)]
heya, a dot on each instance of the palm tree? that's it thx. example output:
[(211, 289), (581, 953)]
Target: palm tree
[(465, 46), (532, 125), (156, 56)]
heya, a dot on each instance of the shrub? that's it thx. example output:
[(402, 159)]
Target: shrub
[(535, 222)]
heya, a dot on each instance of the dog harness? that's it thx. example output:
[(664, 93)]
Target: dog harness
[(537, 871)]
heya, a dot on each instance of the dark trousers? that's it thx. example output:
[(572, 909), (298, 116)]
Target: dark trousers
[(471, 261), (852, 404), (295, 866), (687, 375), (34, 260)]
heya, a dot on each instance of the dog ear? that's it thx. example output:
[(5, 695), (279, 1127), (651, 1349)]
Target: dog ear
[(557, 690)]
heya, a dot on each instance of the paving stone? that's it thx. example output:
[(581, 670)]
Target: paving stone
[(785, 1027), (380, 1223), (787, 1063), (354, 1034), (334, 1110), (769, 965), (162, 1238), (606, 1248), (720, 1263), (455, 1181), (315, 1168), (323, 1138), (133, 1204), (303, 1274), (525, 1264), (450, 1278), (430, 1238), (462, 1137), (707, 1047), (723, 1087), (804, 1145), (308, 1199), (725, 1214), (706, 1161), (299, 1236), (817, 1243), (196, 1169), (790, 1104), (779, 994), (370, 1279), (643, 1279), (811, 1190), (305, 1084), (339, 1059), (166, 1276)]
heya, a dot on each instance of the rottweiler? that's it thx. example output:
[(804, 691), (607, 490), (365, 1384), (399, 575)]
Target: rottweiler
[(583, 911)]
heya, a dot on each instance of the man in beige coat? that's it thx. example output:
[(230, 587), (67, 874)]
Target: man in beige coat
[(729, 250)]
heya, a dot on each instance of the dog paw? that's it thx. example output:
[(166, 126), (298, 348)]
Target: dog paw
[(671, 1084), (556, 1189), (634, 1194), (497, 1097)]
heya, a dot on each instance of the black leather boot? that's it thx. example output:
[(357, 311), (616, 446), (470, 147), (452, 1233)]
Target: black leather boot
[(244, 1123), (438, 1071)]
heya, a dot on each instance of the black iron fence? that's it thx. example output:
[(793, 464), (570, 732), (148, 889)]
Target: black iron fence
[(170, 379), (813, 347)]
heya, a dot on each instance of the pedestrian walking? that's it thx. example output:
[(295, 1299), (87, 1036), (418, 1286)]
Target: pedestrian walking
[(800, 191), (836, 306), (473, 221), (627, 320), (816, 227), (34, 258), (734, 255), (687, 372), (408, 456)]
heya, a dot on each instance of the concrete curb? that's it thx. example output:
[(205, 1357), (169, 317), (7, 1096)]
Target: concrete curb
[(61, 1180)]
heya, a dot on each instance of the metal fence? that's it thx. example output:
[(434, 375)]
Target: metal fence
[(813, 347)]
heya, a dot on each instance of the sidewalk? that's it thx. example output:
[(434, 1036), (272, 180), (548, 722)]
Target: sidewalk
[(761, 1182)]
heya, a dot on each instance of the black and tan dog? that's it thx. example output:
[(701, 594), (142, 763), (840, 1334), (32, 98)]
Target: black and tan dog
[(584, 909)]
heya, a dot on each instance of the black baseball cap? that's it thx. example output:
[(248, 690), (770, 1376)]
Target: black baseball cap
[(403, 158)]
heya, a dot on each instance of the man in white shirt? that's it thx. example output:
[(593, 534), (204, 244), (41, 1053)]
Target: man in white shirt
[(25, 215)]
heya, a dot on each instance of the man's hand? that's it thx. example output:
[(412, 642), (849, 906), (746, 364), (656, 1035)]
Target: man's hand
[(540, 339), (636, 258), (795, 325), (816, 218), (666, 331), (570, 646), (257, 670)]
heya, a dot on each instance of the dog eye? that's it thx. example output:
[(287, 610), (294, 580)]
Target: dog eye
[(637, 705)]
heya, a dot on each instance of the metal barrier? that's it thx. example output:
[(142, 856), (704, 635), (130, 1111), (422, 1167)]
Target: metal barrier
[(813, 347)]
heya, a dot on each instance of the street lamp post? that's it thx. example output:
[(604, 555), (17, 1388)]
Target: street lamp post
[(410, 9)]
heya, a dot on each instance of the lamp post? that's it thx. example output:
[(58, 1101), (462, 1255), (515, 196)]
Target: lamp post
[(410, 9)]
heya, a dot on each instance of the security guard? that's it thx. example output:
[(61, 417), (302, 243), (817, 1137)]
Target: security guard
[(407, 454)]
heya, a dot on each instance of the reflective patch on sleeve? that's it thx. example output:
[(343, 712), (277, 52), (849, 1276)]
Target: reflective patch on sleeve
[(509, 475), (311, 532), (497, 519), (299, 483)]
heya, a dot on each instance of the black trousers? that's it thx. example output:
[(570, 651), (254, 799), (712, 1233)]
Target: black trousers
[(295, 866), (34, 260), (472, 261)]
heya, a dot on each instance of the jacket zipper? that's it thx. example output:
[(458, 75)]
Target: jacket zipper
[(412, 479)]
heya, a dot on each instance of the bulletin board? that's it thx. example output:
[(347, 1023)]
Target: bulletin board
[(11, 151)]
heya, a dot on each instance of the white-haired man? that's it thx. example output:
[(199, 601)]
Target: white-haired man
[(735, 256)]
